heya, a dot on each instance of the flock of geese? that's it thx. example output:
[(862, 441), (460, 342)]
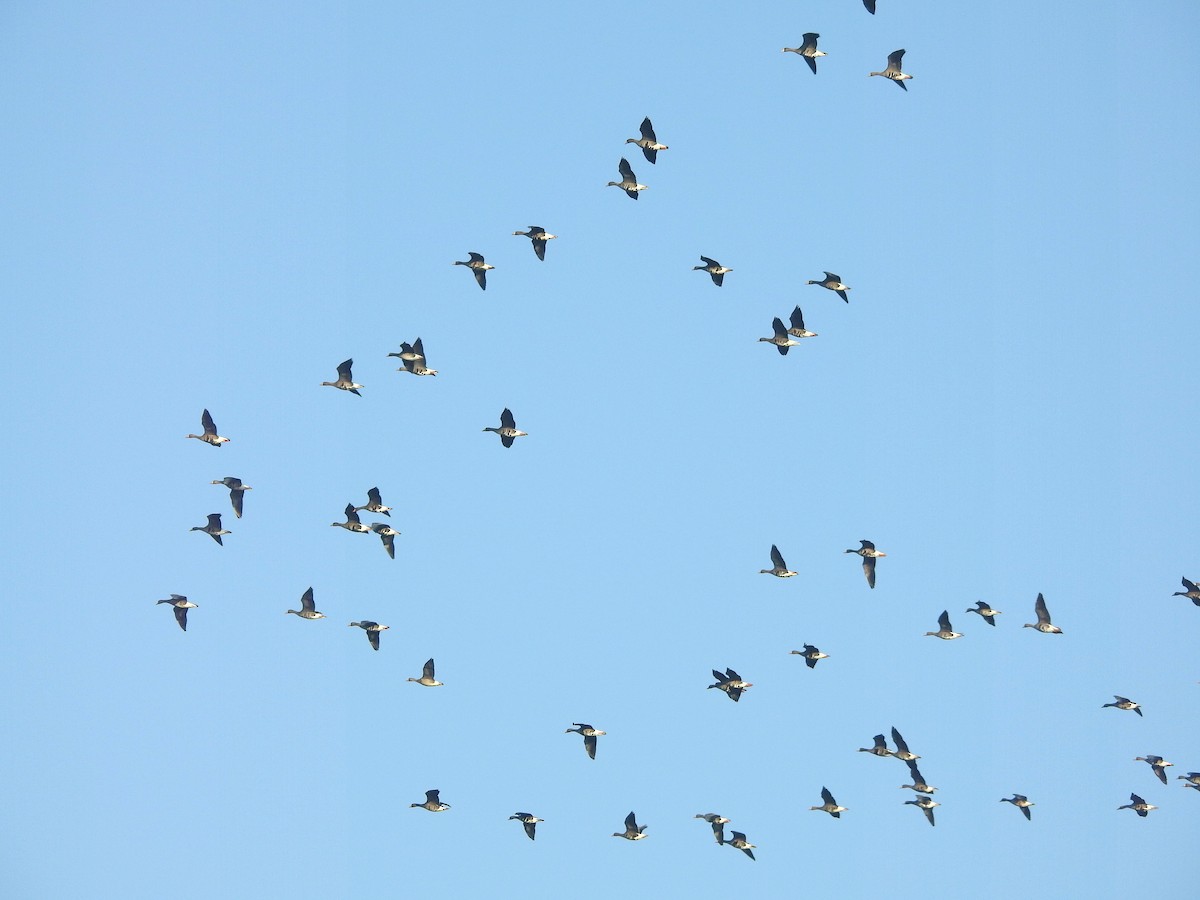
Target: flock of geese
[(413, 360)]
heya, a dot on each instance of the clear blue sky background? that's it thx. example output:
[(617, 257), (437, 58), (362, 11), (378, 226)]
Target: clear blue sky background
[(212, 205)]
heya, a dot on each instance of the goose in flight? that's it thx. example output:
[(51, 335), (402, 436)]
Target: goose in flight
[(833, 283), (529, 821), (508, 428), (780, 569), (427, 678), (374, 502), (589, 736), (181, 604), (808, 49), (414, 352), (210, 435), (902, 751), (731, 683), (739, 842), (628, 183), (985, 612), (780, 338), (432, 803), (213, 529), (1190, 589), (869, 554), (797, 322), (236, 491), (477, 265), (372, 629), (308, 607), (1138, 805), (829, 805), (945, 632), (412, 359), (1124, 703), (925, 804), (352, 523), (538, 235), (1043, 623), (345, 381), (713, 268), (811, 654), (648, 142), (718, 823), (879, 749), (893, 69), (388, 535), (919, 784), (1157, 764), (1021, 802), (633, 831)]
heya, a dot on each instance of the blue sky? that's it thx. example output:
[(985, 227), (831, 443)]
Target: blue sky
[(213, 205)]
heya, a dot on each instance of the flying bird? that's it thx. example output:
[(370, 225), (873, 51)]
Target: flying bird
[(829, 805), (731, 683), (893, 69), (432, 803), (1190, 590), (210, 435), (780, 337), (538, 235), (529, 821), (1138, 805), (372, 629), (739, 842), (388, 535), (589, 736), (427, 678), (308, 608), (345, 381), (181, 604), (352, 523), (919, 785), (374, 502), (925, 804), (833, 283), (236, 490), (633, 831), (797, 322), (628, 183), (508, 429), (869, 554), (412, 359), (811, 654), (879, 749), (713, 268), (1124, 703), (648, 142), (477, 265), (902, 751), (1021, 802), (1043, 623), (945, 632), (780, 569), (413, 352), (213, 529), (985, 612), (808, 49), (1157, 764), (718, 823)]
